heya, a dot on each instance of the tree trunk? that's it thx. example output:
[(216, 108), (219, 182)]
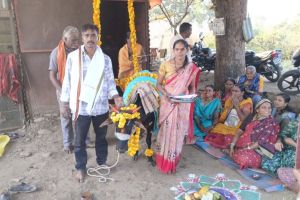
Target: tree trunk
[(230, 48)]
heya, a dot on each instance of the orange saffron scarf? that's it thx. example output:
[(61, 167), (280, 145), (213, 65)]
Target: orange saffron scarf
[(61, 60)]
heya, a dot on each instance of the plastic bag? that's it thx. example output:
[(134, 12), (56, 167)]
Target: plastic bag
[(247, 29), (4, 139)]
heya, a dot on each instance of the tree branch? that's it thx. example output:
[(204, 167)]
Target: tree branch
[(166, 14)]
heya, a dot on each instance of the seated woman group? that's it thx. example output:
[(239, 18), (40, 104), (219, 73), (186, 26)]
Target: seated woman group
[(264, 138), (235, 110)]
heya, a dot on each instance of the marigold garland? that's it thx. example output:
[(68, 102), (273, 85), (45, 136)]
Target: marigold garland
[(149, 152), (133, 36), (134, 142), (96, 18), (122, 117)]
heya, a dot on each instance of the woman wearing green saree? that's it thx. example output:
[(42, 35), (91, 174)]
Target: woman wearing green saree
[(206, 113)]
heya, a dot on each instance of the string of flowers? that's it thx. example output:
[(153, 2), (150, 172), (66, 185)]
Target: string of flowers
[(134, 142), (123, 116), (149, 152), (133, 35), (96, 18)]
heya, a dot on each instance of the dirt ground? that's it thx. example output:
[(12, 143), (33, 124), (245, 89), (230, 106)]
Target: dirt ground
[(37, 158)]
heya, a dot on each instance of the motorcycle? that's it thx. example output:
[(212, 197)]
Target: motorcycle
[(266, 63), (204, 58), (289, 82)]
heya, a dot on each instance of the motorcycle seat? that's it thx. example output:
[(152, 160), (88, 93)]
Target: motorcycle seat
[(264, 55)]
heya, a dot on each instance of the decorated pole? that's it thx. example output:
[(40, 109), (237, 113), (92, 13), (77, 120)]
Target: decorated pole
[(96, 18), (133, 35)]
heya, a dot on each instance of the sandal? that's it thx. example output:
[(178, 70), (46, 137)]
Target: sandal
[(5, 196), (23, 187)]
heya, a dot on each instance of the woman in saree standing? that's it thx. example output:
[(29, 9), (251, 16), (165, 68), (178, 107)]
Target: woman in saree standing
[(176, 77), (206, 114), (258, 131), (235, 110)]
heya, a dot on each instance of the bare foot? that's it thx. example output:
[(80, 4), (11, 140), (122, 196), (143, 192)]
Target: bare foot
[(90, 145), (297, 176), (68, 149), (86, 196), (190, 141), (226, 151), (79, 176)]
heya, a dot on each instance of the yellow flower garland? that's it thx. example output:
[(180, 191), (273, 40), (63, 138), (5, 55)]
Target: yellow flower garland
[(133, 35), (96, 18), (121, 117), (134, 142), (149, 152)]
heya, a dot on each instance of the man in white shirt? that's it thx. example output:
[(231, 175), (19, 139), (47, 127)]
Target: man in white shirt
[(87, 86), (185, 31)]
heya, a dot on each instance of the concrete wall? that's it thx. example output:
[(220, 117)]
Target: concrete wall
[(6, 42)]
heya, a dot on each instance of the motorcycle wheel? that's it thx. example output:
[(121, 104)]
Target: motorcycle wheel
[(289, 82), (272, 72)]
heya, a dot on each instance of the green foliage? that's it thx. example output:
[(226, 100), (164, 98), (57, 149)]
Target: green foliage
[(210, 40), (180, 11), (175, 8), (199, 12), (284, 36)]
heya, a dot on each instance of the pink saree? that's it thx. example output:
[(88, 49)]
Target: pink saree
[(175, 120)]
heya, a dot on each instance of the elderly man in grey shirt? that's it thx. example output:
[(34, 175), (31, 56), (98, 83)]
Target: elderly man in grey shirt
[(68, 43)]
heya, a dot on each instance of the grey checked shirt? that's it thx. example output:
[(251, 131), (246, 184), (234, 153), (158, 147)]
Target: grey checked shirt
[(108, 89)]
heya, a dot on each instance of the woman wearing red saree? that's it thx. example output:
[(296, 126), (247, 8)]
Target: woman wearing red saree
[(176, 77), (258, 131)]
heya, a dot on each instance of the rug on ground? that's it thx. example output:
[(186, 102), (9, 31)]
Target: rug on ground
[(257, 177)]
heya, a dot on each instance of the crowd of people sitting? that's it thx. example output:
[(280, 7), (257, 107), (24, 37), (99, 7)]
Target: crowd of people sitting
[(252, 130), (244, 128)]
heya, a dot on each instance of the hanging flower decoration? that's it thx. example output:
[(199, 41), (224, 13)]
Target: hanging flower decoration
[(149, 152), (133, 35), (126, 113), (96, 18), (129, 113), (134, 142)]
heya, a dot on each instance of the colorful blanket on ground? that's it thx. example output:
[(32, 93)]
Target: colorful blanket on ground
[(212, 151), (257, 177), (228, 189)]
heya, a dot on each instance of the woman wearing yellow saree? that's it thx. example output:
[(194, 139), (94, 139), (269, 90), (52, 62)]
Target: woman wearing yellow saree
[(236, 109)]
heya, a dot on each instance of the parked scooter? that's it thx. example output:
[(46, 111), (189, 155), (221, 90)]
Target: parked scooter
[(289, 82), (266, 63), (204, 58)]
